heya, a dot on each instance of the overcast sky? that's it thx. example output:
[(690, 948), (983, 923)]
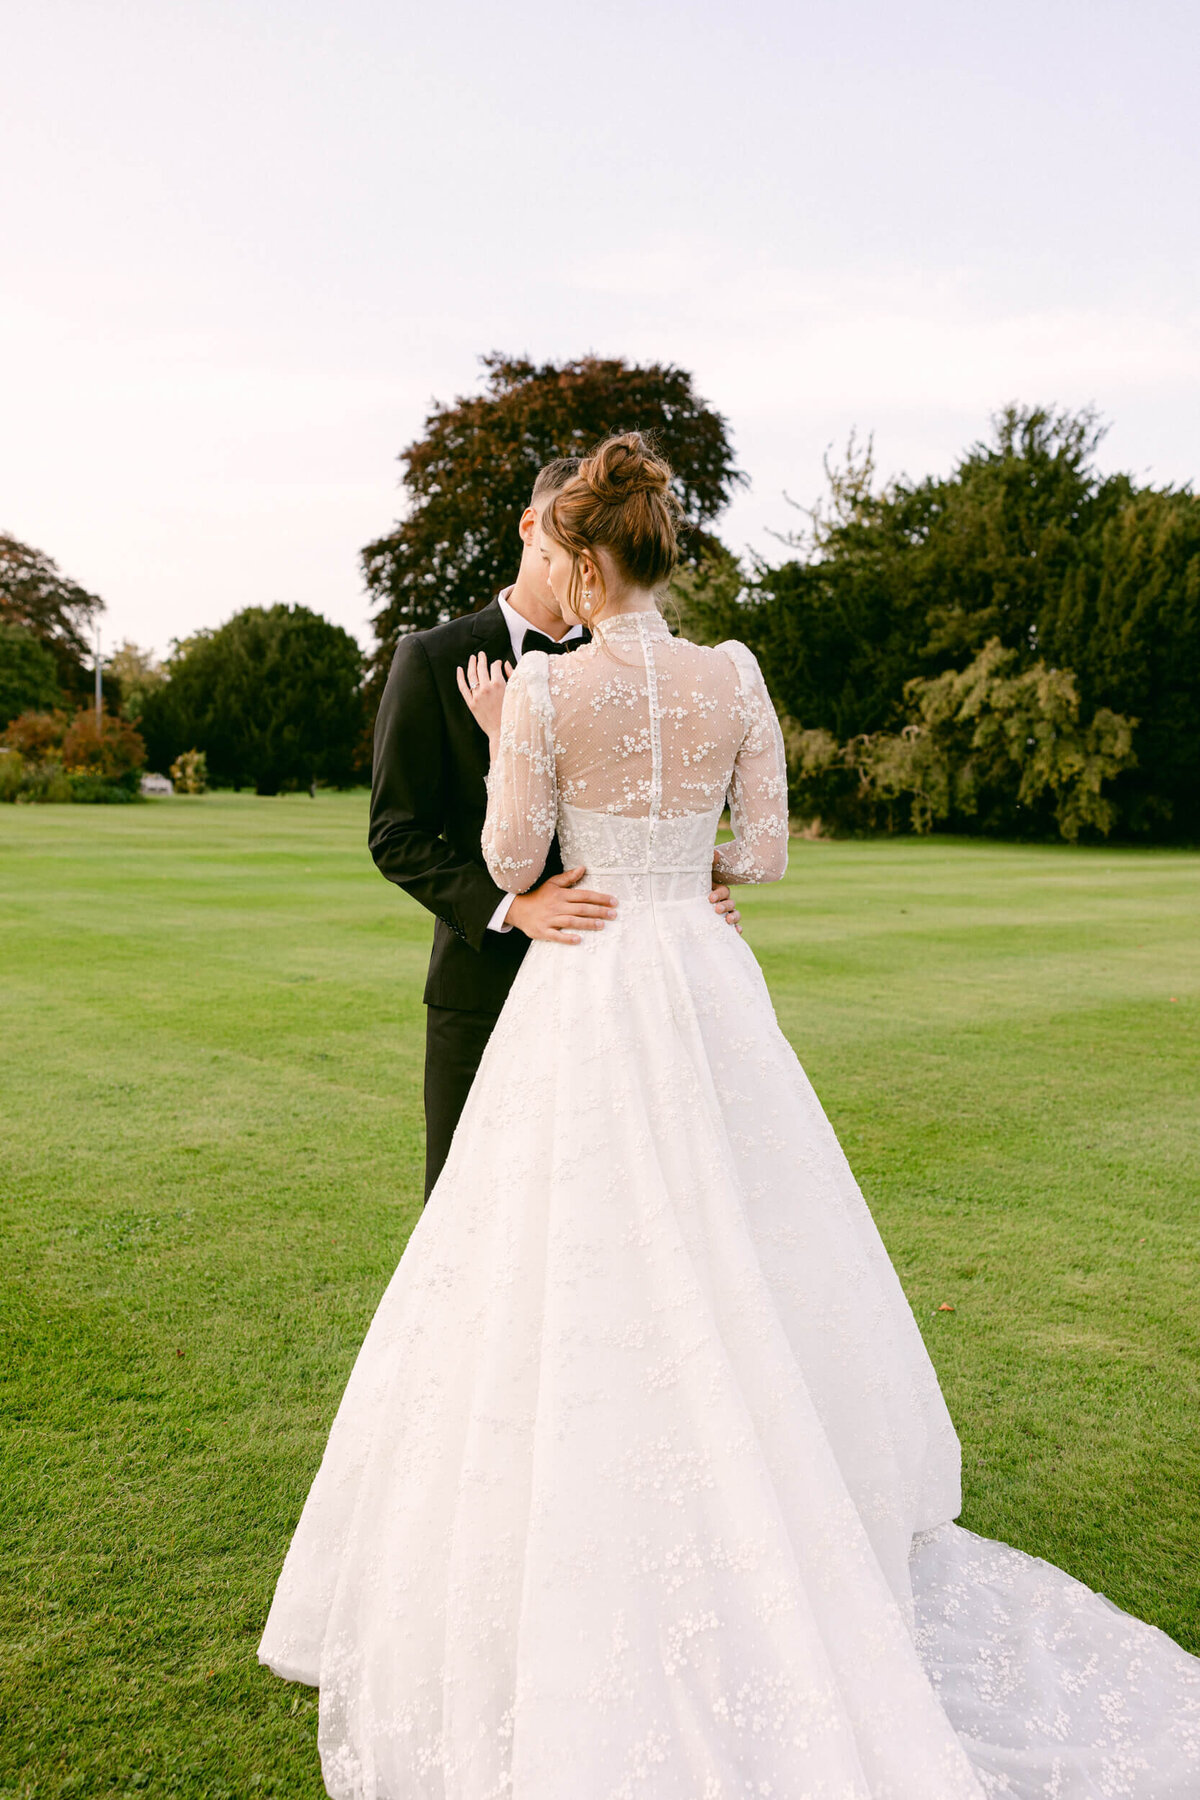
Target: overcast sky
[(244, 245)]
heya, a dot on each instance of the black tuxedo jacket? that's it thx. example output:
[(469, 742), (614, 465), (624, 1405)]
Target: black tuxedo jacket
[(428, 801)]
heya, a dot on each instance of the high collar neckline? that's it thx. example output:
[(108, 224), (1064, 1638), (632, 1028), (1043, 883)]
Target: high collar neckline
[(628, 626)]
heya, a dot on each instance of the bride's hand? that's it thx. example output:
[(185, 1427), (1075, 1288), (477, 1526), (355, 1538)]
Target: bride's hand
[(482, 687)]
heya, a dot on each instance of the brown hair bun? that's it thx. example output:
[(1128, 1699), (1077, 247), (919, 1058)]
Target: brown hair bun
[(620, 501), (624, 466)]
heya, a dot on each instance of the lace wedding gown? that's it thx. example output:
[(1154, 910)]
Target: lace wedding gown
[(641, 1486)]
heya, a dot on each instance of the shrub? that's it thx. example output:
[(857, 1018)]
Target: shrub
[(32, 768), (12, 774), (62, 759), (189, 772), (93, 790), (107, 749), (823, 784), (43, 784), (37, 736)]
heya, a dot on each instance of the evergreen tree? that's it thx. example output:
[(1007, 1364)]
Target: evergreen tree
[(1127, 621), (272, 697)]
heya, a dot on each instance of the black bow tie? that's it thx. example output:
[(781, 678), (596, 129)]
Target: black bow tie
[(537, 640)]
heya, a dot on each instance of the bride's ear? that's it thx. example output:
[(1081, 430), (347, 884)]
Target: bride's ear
[(587, 596)]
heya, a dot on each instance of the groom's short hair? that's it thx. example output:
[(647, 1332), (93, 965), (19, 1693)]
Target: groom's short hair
[(555, 476)]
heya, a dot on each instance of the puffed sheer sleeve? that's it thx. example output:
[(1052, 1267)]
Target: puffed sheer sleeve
[(522, 788), (758, 799)]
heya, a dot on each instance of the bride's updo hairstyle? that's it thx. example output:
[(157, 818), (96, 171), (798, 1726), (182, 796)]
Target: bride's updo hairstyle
[(620, 501)]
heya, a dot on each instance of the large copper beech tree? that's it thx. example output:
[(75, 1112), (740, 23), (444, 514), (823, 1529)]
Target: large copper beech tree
[(468, 479), (38, 599)]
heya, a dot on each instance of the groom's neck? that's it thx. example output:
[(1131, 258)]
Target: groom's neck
[(524, 600)]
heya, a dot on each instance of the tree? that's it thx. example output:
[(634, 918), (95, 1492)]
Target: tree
[(1000, 537), (136, 672), (469, 478), (1024, 545), (1127, 620), (36, 596), (28, 674), (839, 639), (837, 628), (272, 697), (988, 748), (1004, 747)]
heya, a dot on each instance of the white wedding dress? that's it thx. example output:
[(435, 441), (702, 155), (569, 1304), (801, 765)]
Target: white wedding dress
[(641, 1486)]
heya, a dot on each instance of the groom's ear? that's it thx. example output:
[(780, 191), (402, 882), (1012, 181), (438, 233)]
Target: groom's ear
[(528, 525)]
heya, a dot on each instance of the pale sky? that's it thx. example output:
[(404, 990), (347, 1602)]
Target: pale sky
[(244, 246)]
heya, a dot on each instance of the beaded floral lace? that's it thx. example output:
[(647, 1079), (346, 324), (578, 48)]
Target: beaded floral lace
[(640, 1488), (629, 749)]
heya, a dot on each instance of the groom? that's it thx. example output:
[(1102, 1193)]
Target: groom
[(428, 801)]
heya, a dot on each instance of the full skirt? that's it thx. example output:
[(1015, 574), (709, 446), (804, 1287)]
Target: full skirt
[(641, 1487)]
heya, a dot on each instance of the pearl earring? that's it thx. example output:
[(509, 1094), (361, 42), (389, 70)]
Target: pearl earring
[(587, 600)]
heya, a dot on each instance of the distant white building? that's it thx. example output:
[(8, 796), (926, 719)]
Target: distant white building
[(157, 784)]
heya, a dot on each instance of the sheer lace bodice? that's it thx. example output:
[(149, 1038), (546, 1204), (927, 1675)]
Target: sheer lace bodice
[(629, 749)]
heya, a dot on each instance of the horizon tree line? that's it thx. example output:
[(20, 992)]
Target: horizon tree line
[(1011, 648)]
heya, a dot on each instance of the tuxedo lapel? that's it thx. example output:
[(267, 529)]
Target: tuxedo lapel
[(489, 635), (491, 632)]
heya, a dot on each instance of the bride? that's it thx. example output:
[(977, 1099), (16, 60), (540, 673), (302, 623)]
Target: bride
[(641, 1487)]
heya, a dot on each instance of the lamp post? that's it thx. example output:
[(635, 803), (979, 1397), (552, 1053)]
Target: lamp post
[(99, 691)]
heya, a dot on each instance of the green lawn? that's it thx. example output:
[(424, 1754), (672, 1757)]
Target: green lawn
[(211, 1152)]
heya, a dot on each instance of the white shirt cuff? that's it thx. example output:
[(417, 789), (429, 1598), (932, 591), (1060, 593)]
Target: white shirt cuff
[(496, 922)]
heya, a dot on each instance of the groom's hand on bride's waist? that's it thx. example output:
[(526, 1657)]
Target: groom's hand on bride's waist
[(724, 905), (560, 909)]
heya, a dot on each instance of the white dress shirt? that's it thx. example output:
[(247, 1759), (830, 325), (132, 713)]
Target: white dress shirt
[(517, 627)]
